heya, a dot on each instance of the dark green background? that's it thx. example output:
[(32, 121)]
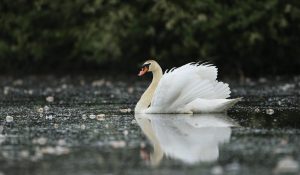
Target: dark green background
[(251, 38)]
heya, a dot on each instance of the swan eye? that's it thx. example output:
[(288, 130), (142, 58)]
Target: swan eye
[(146, 65)]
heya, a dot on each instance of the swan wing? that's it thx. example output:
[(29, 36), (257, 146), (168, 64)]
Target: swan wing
[(183, 85)]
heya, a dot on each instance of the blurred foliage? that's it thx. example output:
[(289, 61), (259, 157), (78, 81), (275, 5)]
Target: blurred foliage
[(242, 37)]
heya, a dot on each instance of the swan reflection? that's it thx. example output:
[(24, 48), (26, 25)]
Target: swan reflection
[(189, 138)]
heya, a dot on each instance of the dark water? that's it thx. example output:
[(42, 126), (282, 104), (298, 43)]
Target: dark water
[(84, 125)]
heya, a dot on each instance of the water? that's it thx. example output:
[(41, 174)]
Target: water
[(86, 125)]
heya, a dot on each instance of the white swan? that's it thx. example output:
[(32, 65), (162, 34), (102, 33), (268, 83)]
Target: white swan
[(188, 138), (191, 88)]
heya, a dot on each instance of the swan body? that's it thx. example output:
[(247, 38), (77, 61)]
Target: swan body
[(191, 88)]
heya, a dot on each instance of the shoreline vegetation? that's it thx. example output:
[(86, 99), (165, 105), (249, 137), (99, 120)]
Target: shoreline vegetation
[(247, 38)]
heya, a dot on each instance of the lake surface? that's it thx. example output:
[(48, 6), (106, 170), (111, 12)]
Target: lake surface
[(86, 125)]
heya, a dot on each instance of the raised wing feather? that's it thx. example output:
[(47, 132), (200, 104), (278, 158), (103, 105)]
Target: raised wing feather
[(180, 86)]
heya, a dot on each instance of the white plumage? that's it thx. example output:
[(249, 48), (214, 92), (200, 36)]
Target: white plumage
[(191, 88), (191, 139)]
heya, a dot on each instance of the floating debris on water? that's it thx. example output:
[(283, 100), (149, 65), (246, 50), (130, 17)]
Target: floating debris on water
[(287, 87), (55, 125), (117, 144), (82, 82), (64, 86), (92, 116), (262, 80), (40, 110), (50, 99), (9, 119), (270, 111), (216, 170), (98, 83), (257, 110), (6, 90), (127, 110), (286, 165), (84, 116), (40, 141), (61, 142), (24, 154), (18, 82), (46, 108), (235, 166), (30, 91), (58, 150), (130, 90), (108, 84), (2, 138), (125, 132), (82, 127), (100, 117), (49, 117)]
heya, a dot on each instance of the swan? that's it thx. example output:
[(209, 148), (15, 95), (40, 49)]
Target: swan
[(188, 138), (191, 88)]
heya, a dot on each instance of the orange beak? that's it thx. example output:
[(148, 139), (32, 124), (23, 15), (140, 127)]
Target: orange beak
[(143, 71)]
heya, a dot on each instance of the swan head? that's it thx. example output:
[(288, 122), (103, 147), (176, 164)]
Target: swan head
[(149, 66)]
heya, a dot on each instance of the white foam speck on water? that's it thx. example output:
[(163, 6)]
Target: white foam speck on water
[(61, 142), (6, 90), (18, 82), (125, 132), (287, 165), (270, 111), (92, 116), (46, 108), (49, 117), (84, 116), (126, 110), (55, 125), (57, 150), (64, 86), (130, 90), (98, 83), (9, 119), (2, 138), (50, 99), (30, 91), (40, 141), (40, 110), (82, 127), (24, 154), (235, 166), (216, 170), (287, 87), (117, 144)]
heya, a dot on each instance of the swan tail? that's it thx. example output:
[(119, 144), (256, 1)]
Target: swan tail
[(231, 102), (211, 105)]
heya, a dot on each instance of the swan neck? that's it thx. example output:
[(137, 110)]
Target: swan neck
[(146, 98)]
